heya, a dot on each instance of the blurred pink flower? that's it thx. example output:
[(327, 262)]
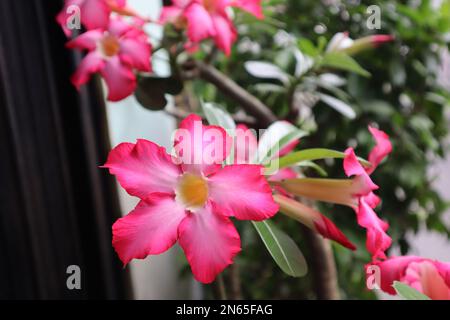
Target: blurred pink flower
[(208, 19), (428, 276), (113, 53), (187, 198), (94, 14)]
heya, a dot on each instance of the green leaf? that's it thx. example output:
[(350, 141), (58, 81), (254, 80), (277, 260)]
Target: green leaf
[(342, 61), (313, 165), (338, 105), (282, 249), (407, 292), (278, 135), (312, 154), (218, 117)]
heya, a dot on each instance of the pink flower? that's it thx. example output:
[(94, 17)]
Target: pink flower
[(208, 19), (113, 53), (428, 276), (356, 192), (246, 147), (94, 14), (377, 240), (187, 198)]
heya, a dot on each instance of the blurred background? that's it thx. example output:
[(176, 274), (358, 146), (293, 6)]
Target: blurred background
[(57, 206)]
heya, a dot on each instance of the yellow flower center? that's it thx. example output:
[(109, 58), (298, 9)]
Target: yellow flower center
[(109, 45), (192, 191)]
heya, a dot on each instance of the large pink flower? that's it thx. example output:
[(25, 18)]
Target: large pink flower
[(208, 19), (356, 192), (113, 53), (94, 14), (187, 198), (428, 276), (246, 150)]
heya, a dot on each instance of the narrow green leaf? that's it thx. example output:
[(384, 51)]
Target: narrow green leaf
[(282, 248), (312, 154), (342, 61), (314, 166), (407, 292)]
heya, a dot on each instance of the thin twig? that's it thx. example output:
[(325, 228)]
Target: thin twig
[(231, 89)]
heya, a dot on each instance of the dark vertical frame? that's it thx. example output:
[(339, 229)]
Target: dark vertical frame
[(56, 205)]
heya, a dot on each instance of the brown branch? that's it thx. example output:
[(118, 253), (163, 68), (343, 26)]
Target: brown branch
[(323, 266), (231, 89), (180, 114)]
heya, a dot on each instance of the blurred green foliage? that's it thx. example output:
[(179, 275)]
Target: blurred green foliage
[(402, 96)]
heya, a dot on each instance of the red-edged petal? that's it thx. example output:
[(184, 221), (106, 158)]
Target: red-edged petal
[(245, 146), (313, 219), (95, 14), (200, 25), (93, 62), (377, 241), (209, 241), (151, 228), (352, 167), (86, 41), (143, 168), (225, 33), (202, 149), (243, 192), (120, 80), (382, 148), (136, 53)]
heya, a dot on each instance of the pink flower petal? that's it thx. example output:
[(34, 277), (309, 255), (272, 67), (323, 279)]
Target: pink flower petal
[(225, 32), (377, 241), (95, 14), (86, 41), (209, 241), (91, 63), (200, 25), (119, 78), (169, 14), (429, 281), (245, 146), (243, 192), (202, 149), (118, 27), (143, 168), (251, 6), (429, 276), (151, 228), (137, 53), (353, 167), (381, 150)]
